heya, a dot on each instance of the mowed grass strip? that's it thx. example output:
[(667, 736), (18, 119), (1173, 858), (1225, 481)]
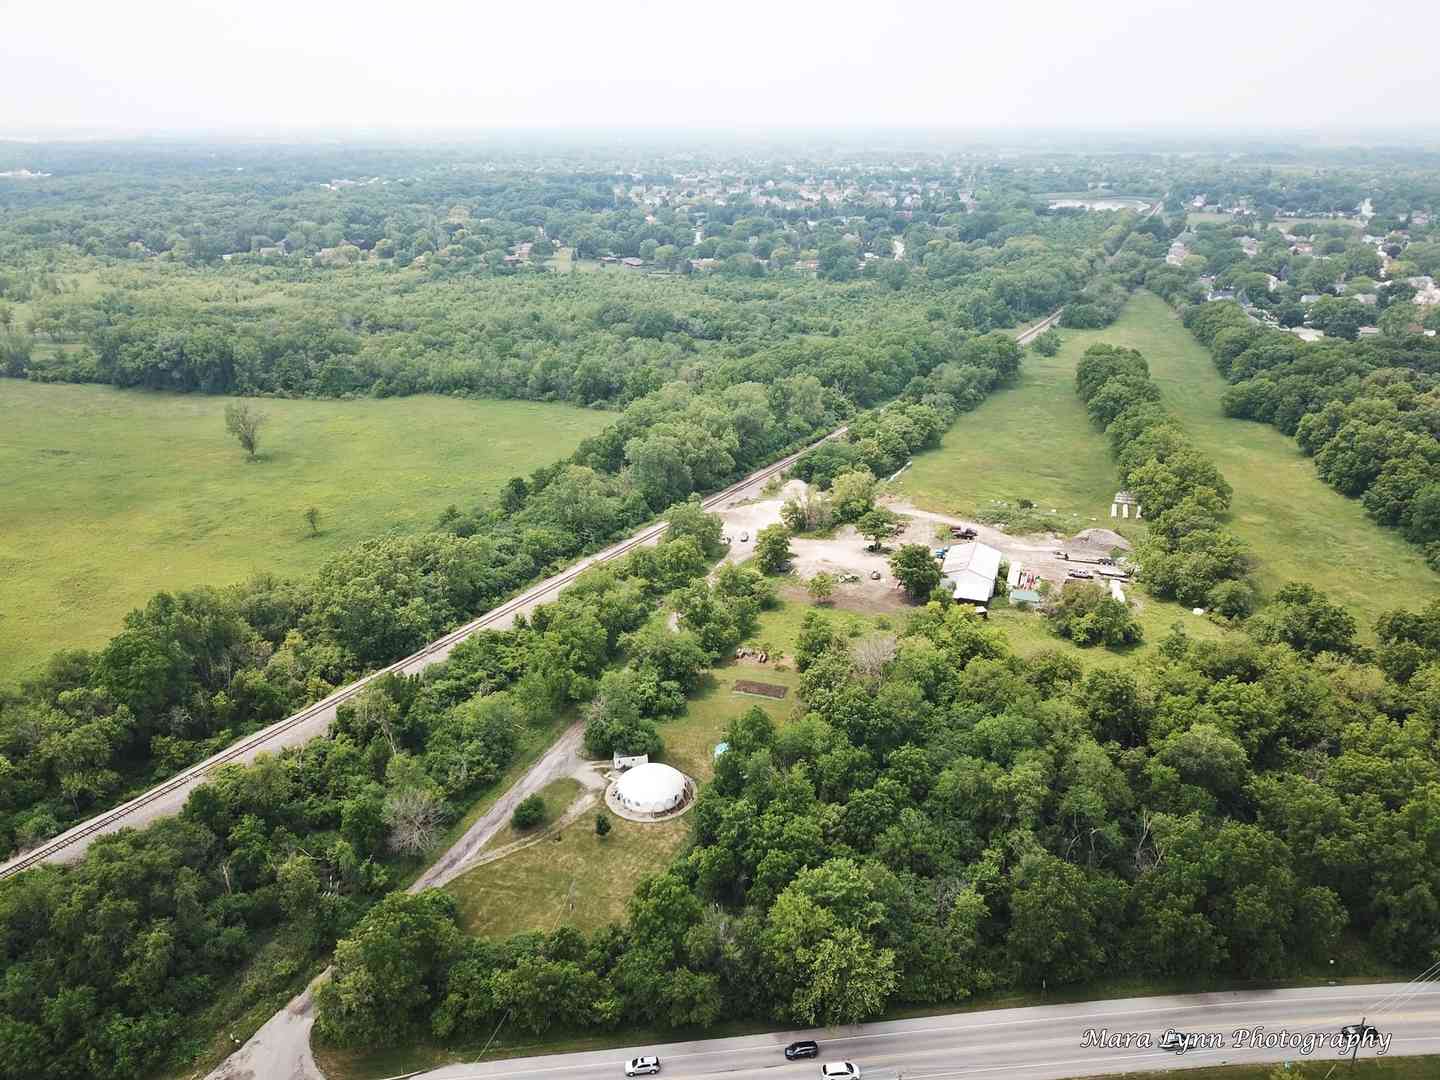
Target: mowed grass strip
[(1299, 528), (558, 795), (110, 496), (1030, 441), (1035, 441), (575, 878)]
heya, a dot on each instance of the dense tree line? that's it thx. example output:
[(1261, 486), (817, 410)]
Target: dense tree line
[(109, 964), (1368, 412), (192, 671), (585, 338), (1187, 554), (941, 818)]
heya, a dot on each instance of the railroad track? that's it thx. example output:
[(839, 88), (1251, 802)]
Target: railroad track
[(1039, 328), (417, 661)]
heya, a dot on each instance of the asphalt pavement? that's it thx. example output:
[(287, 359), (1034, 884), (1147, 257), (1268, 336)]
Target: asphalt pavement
[(1038, 1043)]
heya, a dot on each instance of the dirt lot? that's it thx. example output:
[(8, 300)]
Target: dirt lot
[(845, 552), (1034, 552), (749, 517)]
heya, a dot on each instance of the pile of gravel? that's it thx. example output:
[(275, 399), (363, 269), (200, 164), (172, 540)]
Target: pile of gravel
[(1101, 538)]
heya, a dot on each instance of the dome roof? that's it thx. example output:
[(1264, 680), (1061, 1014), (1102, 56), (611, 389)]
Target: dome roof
[(651, 788)]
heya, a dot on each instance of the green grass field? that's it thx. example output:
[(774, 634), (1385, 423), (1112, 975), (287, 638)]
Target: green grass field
[(1034, 441), (557, 797), (1299, 528), (111, 495)]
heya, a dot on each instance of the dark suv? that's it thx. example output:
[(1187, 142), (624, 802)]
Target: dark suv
[(803, 1049), (1364, 1034)]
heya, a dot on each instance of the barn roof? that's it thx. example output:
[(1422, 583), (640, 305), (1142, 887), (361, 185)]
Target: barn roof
[(971, 568)]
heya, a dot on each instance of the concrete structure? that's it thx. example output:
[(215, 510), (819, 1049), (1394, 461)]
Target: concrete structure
[(1121, 504), (650, 790), (969, 571)]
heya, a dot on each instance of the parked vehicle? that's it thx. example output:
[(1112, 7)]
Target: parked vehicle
[(642, 1066), (744, 537), (1079, 574), (839, 1070), (965, 533), (803, 1049)]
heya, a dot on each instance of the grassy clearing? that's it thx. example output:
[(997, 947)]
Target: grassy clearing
[(576, 878), (112, 495), (1034, 441), (557, 796), (585, 880), (1208, 217), (1308, 223), (1029, 633), (1298, 528)]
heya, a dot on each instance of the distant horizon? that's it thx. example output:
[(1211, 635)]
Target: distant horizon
[(1406, 136), (1229, 67)]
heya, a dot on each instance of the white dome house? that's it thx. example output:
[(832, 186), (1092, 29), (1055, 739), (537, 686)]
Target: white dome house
[(651, 789)]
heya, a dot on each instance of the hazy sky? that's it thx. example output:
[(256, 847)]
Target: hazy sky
[(253, 66)]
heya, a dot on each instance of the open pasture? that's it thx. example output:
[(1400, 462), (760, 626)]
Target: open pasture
[(110, 495), (1035, 442)]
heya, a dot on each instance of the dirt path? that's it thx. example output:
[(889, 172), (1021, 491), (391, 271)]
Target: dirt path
[(560, 761), (281, 1048)]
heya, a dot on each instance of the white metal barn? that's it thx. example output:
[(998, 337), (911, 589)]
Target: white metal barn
[(969, 571)]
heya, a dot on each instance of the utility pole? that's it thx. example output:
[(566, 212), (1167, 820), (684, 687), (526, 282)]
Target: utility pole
[(1354, 1053)]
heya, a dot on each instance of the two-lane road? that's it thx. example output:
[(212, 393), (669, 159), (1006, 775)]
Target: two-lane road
[(1040, 1043)]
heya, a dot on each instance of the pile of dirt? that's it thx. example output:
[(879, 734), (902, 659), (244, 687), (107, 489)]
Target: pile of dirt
[(1101, 538)]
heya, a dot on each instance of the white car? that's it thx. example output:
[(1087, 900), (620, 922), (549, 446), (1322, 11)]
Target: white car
[(744, 538), (642, 1066), (839, 1070)]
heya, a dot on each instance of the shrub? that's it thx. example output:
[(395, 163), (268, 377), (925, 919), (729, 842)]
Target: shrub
[(529, 813), (1088, 616), (1047, 344)]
